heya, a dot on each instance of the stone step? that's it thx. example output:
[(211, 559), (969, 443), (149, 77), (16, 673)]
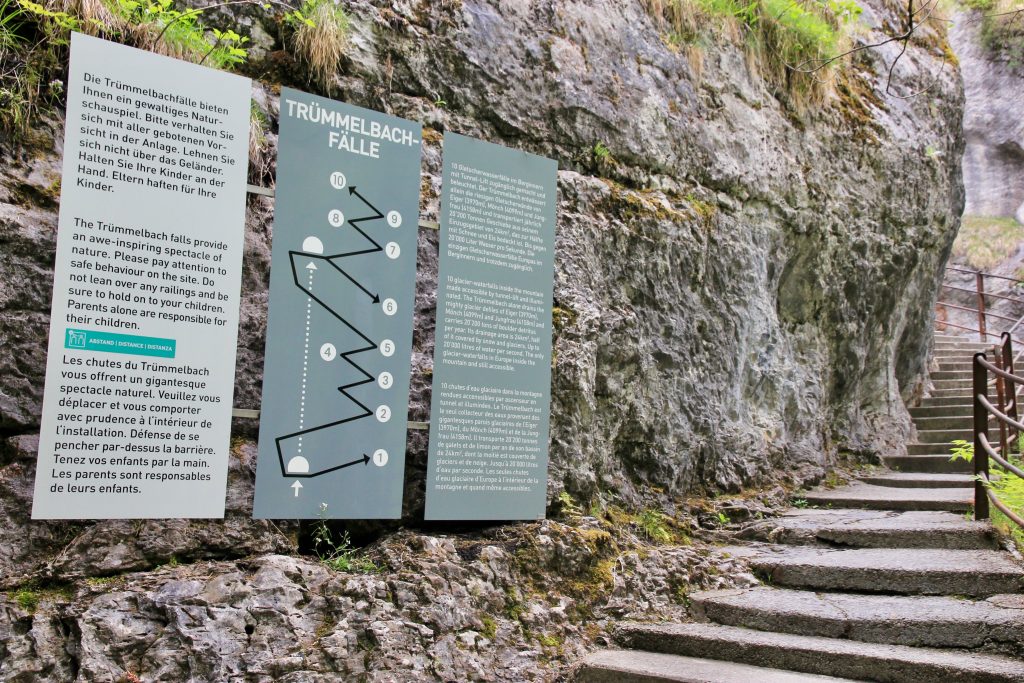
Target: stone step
[(874, 529), (917, 621), (946, 375), (955, 422), (637, 666), (956, 364), (963, 410), (920, 480), (826, 656), (953, 400), (938, 448), (918, 571), (963, 395), (944, 435), (872, 497), (964, 385), (927, 462)]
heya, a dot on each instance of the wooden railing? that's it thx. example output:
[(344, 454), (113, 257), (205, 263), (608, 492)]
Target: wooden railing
[(1010, 427), (982, 298)]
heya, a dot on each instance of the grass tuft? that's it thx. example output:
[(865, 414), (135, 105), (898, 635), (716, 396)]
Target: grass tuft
[(984, 241), (321, 35), (783, 38)]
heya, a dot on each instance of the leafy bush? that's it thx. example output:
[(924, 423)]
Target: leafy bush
[(34, 40)]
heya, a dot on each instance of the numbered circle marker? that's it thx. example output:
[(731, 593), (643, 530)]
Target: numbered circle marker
[(394, 219), (393, 250), (390, 306), (336, 218), (387, 348), (328, 352), (338, 181), (383, 413), (385, 380), (380, 457)]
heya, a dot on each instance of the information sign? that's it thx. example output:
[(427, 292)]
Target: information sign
[(492, 353), (140, 373)]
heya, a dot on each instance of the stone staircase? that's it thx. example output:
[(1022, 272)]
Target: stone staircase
[(887, 580)]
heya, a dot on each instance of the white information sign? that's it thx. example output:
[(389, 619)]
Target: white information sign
[(140, 374)]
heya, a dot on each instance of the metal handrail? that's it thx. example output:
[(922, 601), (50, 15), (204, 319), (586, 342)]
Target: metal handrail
[(1009, 428), (983, 274), (982, 298), (987, 294)]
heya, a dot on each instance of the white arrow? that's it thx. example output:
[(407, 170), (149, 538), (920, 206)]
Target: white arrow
[(311, 266), (296, 486)]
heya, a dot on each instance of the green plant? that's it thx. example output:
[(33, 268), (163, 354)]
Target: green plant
[(601, 152), (801, 503), (654, 525), (338, 554), (321, 36), (568, 507), (962, 450), (27, 599), (723, 519), (34, 40)]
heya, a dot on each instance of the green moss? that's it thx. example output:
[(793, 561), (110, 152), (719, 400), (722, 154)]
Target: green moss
[(562, 317), (27, 599), (490, 627)]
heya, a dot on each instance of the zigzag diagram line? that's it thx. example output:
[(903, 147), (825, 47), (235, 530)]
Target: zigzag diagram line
[(347, 355)]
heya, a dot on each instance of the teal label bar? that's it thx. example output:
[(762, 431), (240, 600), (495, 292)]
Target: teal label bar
[(112, 342)]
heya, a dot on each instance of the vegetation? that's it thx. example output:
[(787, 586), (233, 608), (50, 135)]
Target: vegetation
[(321, 34), (34, 40), (1008, 487), (1002, 28), (984, 241), (785, 39), (338, 554)]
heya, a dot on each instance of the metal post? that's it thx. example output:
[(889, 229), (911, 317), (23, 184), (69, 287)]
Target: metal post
[(979, 282), (1011, 391), (980, 388)]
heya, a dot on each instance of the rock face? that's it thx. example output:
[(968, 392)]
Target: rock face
[(743, 293), (993, 125)]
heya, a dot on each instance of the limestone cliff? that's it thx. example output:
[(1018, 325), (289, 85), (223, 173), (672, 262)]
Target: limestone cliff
[(743, 293)]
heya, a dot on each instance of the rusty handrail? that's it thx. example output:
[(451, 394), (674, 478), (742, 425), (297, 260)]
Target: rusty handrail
[(983, 273), (1009, 427)]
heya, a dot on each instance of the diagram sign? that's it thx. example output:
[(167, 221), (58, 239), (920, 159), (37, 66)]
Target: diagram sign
[(492, 352), (140, 373), (339, 338)]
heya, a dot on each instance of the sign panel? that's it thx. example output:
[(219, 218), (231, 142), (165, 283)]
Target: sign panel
[(492, 349), (339, 337), (140, 374)]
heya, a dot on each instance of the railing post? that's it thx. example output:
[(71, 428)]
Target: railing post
[(1011, 394), (980, 388), (979, 281)]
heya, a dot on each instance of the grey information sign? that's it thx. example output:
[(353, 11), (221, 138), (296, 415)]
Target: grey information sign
[(492, 355), (140, 372), (339, 338)]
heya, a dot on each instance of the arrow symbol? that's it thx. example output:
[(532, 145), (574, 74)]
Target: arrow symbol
[(374, 297), (352, 191), (311, 266), (297, 486)]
